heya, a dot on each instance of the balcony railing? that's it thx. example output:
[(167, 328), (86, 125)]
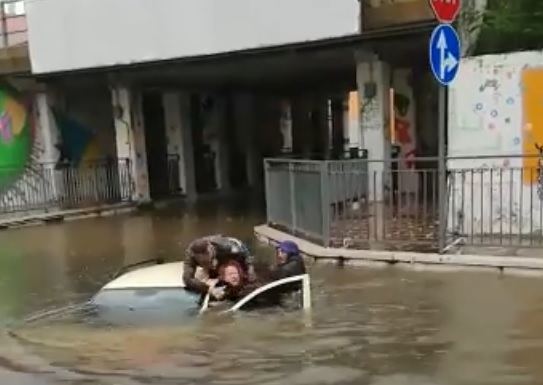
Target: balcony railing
[(13, 23), (58, 186), (379, 205)]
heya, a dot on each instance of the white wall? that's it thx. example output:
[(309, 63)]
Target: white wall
[(488, 106), (68, 35)]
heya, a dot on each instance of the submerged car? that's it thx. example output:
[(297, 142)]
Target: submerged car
[(154, 292)]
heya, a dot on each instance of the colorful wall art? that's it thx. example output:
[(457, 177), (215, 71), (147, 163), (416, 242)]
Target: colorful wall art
[(496, 124)]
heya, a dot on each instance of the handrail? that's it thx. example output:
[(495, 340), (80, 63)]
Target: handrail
[(306, 292)]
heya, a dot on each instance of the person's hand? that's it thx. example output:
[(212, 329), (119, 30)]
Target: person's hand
[(217, 293)]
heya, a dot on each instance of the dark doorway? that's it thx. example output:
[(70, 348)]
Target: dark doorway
[(155, 143)]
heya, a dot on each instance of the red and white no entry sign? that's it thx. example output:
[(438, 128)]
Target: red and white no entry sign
[(445, 10)]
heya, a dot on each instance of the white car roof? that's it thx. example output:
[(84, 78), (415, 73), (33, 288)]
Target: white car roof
[(167, 275)]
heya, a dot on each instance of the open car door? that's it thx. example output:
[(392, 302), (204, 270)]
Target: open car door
[(306, 293)]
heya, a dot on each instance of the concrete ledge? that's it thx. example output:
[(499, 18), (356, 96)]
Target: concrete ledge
[(40, 218), (511, 264)]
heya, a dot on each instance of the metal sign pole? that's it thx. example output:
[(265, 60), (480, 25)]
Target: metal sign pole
[(444, 54), (442, 166)]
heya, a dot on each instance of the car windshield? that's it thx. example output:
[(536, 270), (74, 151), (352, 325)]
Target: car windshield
[(152, 305)]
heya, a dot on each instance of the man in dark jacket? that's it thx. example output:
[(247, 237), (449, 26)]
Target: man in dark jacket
[(210, 253), (289, 261)]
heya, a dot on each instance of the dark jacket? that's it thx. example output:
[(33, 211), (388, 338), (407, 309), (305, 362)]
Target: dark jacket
[(226, 249)]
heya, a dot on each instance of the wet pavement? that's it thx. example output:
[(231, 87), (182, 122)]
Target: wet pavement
[(378, 327)]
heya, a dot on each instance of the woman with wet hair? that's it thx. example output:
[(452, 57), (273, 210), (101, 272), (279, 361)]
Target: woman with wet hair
[(289, 263), (236, 285)]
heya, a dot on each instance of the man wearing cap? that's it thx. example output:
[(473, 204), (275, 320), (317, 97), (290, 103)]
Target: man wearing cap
[(209, 253), (289, 261)]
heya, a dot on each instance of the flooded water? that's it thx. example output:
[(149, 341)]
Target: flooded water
[(378, 327)]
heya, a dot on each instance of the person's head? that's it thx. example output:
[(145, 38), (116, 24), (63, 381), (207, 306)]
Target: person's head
[(287, 250), (231, 273), (204, 252)]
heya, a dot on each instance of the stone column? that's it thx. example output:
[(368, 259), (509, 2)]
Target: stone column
[(222, 156), (45, 153), (130, 140), (47, 137), (179, 138), (247, 130), (286, 125), (301, 126), (373, 81)]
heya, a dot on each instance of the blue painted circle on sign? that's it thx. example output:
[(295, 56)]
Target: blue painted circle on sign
[(444, 53)]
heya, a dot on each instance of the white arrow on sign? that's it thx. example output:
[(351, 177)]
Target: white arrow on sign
[(447, 61)]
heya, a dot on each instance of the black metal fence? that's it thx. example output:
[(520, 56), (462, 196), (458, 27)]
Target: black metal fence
[(392, 204), (44, 187)]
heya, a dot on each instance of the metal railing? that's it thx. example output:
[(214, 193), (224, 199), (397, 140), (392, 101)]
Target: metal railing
[(57, 186), (13, 25), (389, 204)]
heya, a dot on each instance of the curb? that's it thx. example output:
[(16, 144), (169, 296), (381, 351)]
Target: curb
[(512, 264), (65, 216)]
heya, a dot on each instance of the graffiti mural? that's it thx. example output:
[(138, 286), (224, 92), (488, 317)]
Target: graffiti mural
[(404, 116), (495, 110), (15, 137), (539, 174), (532, 131), (27, 175), (21, 178), (78, 143)]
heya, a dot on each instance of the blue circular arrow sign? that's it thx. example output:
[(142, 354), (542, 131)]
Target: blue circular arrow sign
[(444, 52)]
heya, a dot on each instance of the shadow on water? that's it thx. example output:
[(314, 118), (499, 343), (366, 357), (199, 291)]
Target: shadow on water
[(375, 327)]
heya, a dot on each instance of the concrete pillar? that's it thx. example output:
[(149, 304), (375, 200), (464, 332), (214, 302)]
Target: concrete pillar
[(45, 149), (47, 137), (179, 138), (286, 125), (301, 126), (244, 105), (220, 144), (130, 141), (373, 81)]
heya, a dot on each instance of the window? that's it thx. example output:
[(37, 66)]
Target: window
[(14, 8)]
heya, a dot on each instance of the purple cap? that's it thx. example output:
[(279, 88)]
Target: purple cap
[(289, 248)]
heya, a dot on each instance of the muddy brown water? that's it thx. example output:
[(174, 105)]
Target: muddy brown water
[(368, 326)]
